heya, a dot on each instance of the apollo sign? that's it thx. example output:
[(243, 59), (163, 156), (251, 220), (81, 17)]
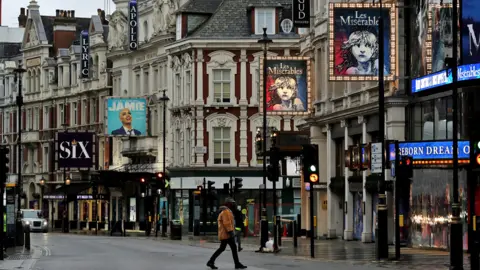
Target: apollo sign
[(133, 25), (85, 54), (75, 149)]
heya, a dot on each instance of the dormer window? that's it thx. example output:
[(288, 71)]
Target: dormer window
[(179, 27), (264, 17)]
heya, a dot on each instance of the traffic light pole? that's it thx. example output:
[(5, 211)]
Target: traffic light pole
[(203, 195), (382, 241), (274, 158), (472, 178), (18, 224), (397, 203), (312, 229)]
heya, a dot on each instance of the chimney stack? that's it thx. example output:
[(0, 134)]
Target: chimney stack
[(22, 18)]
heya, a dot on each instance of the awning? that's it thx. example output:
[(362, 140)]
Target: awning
[(71, 190)]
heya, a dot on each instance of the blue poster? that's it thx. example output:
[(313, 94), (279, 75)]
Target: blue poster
[(126, 117), (355, 44), (470, 30)]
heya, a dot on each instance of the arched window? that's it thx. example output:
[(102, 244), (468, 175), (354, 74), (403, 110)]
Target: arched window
[(39, 72), (29, 81)]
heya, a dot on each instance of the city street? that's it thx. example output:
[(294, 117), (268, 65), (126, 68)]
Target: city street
[(75, 252)]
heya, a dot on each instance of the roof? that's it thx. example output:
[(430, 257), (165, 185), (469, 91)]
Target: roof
[(48, 22), (11, 34), (200, 6), (231, 20)]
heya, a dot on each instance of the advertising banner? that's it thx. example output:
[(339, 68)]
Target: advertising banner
[(133, 25), (441, 37), (353, 41), (470, 31), (301, 13), (126, 116), (419, 31), (75, 149), (288, 85), (85, 55), (431, 150)]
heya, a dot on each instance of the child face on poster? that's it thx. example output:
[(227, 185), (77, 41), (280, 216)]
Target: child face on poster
[(361, 53), (284, 92), (286, 88)]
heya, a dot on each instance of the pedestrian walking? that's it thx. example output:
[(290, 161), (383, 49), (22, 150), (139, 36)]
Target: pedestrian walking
[(226, 234), (239, 227)]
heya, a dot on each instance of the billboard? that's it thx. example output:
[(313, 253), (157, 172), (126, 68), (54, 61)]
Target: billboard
[(470, 31), (85, 55), (126, 116), (431, 151), (75, 149), (353, 41), (419, 31), (133, 25), (440, 37), (288, 85), (301, 13)]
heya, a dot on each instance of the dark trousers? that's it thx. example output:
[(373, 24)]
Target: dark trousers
[(223, 244)]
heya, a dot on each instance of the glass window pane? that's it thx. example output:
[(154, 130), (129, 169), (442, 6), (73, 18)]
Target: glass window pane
[(217, 147), (226, 133), (217, 75), (217, 133), (217, 155), (226, 147), (226, 90), (217, 89), (226, 75)]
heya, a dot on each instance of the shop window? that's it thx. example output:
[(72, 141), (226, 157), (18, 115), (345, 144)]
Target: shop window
[(339, 157)]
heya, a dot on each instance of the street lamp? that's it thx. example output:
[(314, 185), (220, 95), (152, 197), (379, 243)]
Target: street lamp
[(42, 187), (19, 228), (164, 99), (66, 183), (264, 224)]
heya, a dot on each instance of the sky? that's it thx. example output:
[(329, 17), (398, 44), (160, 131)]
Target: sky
[(83, 8)]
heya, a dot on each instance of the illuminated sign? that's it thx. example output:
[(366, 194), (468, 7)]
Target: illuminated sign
[(431, 151), (85, 55), (444, 77), (433, 80), (133, 25)]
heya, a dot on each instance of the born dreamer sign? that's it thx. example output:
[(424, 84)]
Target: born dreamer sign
[(75, 150)]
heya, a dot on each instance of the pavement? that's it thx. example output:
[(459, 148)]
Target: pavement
[(57, 251)]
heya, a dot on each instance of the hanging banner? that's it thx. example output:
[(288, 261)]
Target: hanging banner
[(85, 54), (75, 150), (133, 25), (301, 13), (353, 41), (470, 31)]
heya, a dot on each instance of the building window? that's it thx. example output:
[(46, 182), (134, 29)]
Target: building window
[(74, 121), (303, 31), (221, 85), (188, 85), (188, 145), (155, 80), (264, 17), (177, 147), (84, 112), (45, 159), (46, 117), (339, 157), (178, 87), (137, 84), (6, 123), (93, 111), (36, 118), (61, 116), (179, 27), (145, 83), (221, 145), (29, 123)]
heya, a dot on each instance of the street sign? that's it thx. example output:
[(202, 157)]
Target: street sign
[(376, 157)]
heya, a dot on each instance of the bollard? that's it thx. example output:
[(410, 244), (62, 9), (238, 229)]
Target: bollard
[(280, 234), (295, 243), (164, 227), (27, 237)]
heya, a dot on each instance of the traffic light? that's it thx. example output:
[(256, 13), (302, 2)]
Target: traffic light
[(142, 180), (273, 172), (475, 151), (310, 163), (4, 169), (238, 184), (405, 167), (226, 188), (210, 186)]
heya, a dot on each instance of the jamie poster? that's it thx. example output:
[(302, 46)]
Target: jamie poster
[(354, 41), (126, 117), (470, 32), (287, 85)]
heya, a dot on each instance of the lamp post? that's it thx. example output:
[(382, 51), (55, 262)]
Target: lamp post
[(164, 99), (42, 187), (19, 228), (264, 231), (66, 183)]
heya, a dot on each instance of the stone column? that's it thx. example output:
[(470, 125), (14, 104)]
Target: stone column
[(243, 136), (319, 138), (243, 78), (348, 206), (367, 197), (287, 124), (395, 130), (332, 199)]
